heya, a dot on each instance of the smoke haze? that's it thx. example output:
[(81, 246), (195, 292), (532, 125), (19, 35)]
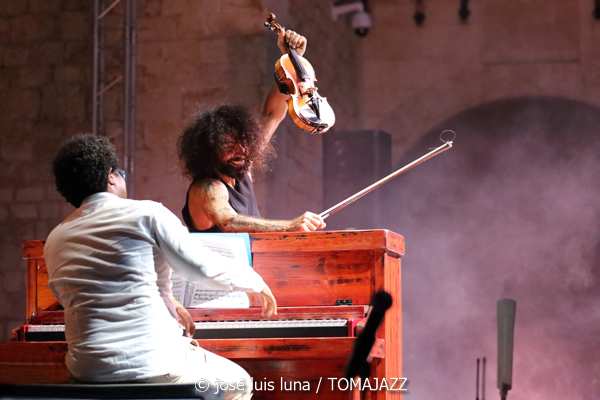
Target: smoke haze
[(511, 211)]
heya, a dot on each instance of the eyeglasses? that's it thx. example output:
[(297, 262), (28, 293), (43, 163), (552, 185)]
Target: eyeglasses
[(121, 172)]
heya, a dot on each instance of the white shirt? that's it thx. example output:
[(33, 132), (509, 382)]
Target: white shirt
[(109, 265)]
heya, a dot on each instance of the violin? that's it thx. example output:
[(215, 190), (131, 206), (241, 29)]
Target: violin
[(296, 77)]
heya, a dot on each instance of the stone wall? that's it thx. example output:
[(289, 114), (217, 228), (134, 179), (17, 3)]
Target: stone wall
[(415, 77), (45, 91)]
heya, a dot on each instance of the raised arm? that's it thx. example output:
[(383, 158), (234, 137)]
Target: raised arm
[(274, 111), (210, 199)]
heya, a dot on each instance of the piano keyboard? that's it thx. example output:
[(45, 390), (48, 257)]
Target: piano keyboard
[(225, 330), (270, 329), (44, 333)]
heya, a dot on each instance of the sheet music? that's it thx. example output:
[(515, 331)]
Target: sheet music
[(196, 295)]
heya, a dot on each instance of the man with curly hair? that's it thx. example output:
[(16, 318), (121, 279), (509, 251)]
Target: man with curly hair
[(109, 265), (218, 151)]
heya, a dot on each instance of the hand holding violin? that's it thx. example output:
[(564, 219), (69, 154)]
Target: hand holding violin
[(293, 40)]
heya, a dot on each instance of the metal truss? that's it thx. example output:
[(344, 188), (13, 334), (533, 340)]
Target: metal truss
[(113, 111)]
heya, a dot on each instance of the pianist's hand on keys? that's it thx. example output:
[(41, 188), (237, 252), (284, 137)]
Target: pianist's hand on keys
[(269, 304), (184, 318)]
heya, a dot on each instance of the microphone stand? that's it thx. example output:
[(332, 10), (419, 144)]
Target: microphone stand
[(358, 364), (506, 310)]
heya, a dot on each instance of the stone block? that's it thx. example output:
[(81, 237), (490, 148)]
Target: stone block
[(43, 229), (50, 210), (157, 28), (67, 74), (13, 280), (30, 194), (188, 52), (34, 173), (6, 81), (49, 53), (416, 43), (31, 77), (246, 21), (24, 211), (76, 5), (187, 77), (513, 80), (44, 6), (386, 14), (66, 209), (257, 5), (24, 130), (3, 212), (7, 195), (76, 25), (15, 56), (52, 194), (536, 30), (79, 53), (48, 137), (62, 102), (20, 104), (163, 107), (9, 174), (23, 229), (161, 138), (192, 101), (4, 311), (151, 8), (178, 7), (4, 31), (12, 8), (31, 28)]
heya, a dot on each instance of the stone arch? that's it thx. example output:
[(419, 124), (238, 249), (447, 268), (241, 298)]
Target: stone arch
[(472, 85)]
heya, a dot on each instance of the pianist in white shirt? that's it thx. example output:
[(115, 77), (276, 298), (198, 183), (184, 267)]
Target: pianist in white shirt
[(109, 264)]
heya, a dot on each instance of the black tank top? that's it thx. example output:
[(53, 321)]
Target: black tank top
[(241, 199)]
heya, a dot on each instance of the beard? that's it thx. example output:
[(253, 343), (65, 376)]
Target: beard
[(237, 173)]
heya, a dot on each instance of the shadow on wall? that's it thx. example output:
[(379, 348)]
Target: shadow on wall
[(513, 210)]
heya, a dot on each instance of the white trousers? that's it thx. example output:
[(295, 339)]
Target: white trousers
[(205, 368)]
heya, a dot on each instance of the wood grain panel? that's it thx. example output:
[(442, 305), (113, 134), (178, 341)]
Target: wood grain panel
[(317, 278), (33, 373), (327, 241)]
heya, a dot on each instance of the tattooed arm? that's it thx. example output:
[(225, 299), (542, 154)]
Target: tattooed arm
[(209, 206)]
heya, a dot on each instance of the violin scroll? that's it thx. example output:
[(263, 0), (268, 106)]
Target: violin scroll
[(271, 24)]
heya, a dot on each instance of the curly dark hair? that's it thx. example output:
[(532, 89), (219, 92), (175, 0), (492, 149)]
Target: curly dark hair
[(82, 165), (200, 143)]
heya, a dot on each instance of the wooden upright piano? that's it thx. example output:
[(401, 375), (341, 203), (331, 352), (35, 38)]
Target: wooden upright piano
[(315, 277)]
